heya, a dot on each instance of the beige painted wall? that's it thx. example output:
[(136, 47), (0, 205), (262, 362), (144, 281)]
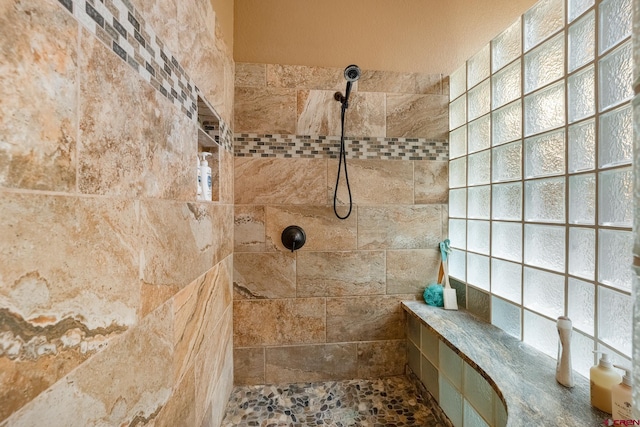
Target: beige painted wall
[(401, 35)]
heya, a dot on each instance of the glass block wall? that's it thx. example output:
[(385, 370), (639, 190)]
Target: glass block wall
[(540, 207)]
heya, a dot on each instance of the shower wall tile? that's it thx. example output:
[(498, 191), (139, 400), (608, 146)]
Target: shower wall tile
[(399, 227), (249, 366), (334, 274), (176, 255), (305, 77), (223, 235), (249, 228), (197, 309), (394, 82), (324, 231), (214, 368), (147, 391), (410, 271), (373, 182), (264, 275), (265, 110), (162, 17), (226, 164), (431, 180), (219, 399), (276, 322), (152, 296), (180, 408), (137, 43), (199, 49), (422, 116), (379, 359), (367, 114), (205, 56), (61, 312), (280, 181), (318, 113), (147, 157), (367, 318), (38, 150), (250, 75), (311, 363), (111, 269)]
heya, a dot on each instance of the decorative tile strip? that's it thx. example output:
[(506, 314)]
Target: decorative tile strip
[(123, 30), (226, 136), (317, 147)]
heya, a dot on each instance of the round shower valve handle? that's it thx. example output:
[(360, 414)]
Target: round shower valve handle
[(293, 237)]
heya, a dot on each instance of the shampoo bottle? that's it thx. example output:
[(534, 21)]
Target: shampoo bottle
[(602, 377), (199, 181), (564, 371), (205, 176), (621, 397)]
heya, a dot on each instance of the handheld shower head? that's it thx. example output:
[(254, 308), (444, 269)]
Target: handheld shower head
[(352, 73)]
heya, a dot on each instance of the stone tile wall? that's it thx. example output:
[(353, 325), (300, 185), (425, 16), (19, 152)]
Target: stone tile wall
[(115, 285), (332, 309)]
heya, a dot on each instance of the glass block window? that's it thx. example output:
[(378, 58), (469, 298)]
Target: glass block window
[(541, 178)]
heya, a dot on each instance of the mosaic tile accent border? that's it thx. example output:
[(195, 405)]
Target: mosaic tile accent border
[(318, 147), (226, 136), (123, 29)]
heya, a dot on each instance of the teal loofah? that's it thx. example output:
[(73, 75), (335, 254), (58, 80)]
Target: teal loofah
[(433, 295)]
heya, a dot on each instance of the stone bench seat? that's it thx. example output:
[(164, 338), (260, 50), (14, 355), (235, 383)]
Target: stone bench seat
[(480, 375)]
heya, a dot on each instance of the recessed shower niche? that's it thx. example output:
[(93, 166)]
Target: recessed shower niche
[(209, 142)]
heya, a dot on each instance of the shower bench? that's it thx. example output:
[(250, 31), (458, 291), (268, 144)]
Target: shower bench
[(480, 374)]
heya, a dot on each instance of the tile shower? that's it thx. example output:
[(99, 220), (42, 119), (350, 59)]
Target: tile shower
[(331, 310), (541, 184), (120, 279)]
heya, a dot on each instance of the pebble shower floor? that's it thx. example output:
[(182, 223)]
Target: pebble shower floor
[(384, 402)]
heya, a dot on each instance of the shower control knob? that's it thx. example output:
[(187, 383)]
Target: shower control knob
[(293, 237)]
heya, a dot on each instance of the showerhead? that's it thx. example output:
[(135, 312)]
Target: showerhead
[(352, 73)]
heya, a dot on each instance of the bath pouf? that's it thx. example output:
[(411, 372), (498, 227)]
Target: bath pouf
[(433, 295)]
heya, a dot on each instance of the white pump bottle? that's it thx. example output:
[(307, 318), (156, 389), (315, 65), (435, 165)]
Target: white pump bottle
[(199, 181), (205, 176)]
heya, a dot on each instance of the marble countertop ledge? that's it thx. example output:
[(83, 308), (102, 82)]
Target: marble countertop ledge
[(523, 376)]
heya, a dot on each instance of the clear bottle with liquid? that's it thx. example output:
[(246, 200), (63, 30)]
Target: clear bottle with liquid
[(602, 378)]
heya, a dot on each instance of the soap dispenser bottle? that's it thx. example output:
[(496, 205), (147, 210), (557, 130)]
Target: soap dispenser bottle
[(602, 377), (205, 177), (621, 397), (199, 181)]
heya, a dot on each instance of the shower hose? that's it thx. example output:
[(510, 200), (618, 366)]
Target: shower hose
[(342, 160)]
